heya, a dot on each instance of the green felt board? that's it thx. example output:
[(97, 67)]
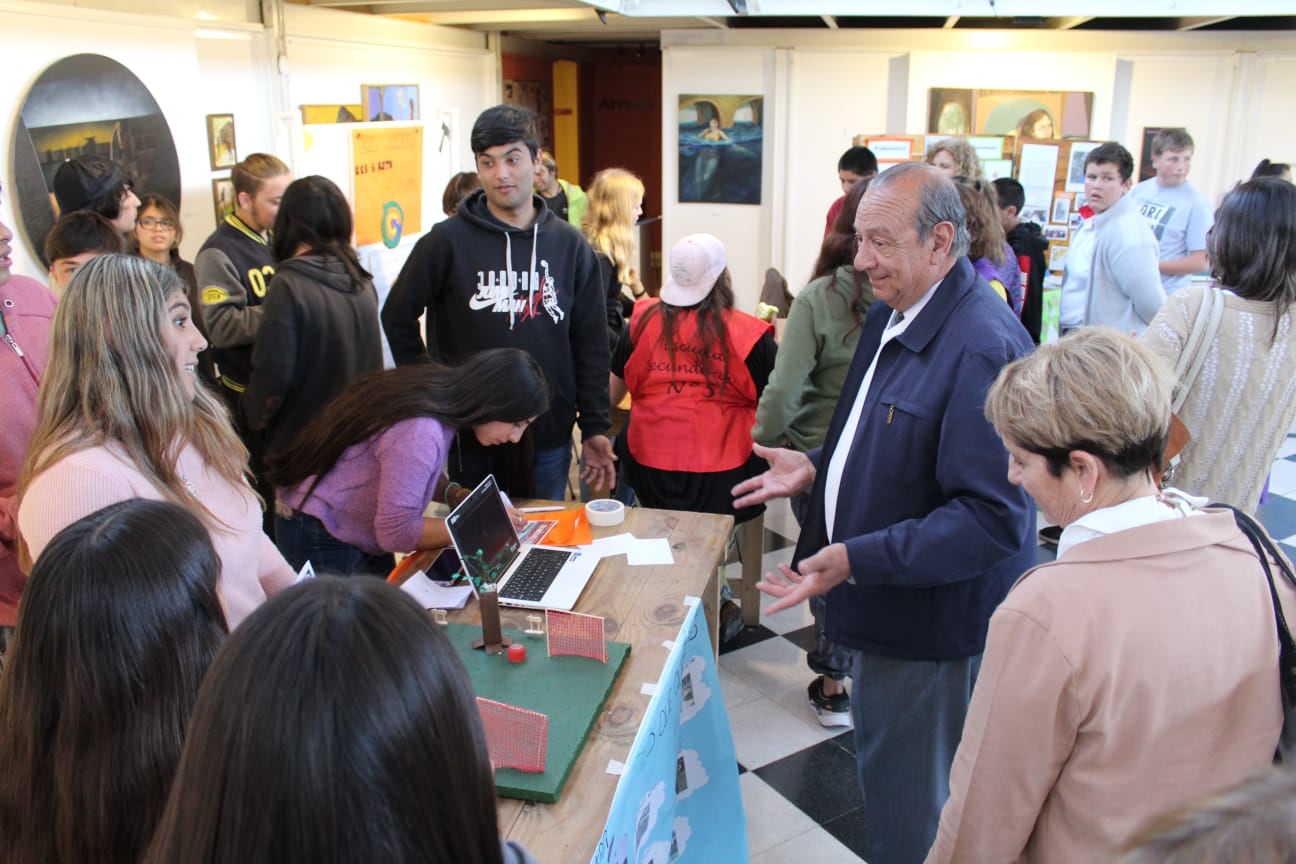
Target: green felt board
[(570, 690)]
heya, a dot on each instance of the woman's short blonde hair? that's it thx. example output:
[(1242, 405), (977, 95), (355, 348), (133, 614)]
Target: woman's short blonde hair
[(963, 153), (1096, 390), (1254, 822)]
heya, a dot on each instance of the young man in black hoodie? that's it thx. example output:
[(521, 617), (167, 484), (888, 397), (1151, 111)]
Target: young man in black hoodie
[(505, 272), (1030, 247)]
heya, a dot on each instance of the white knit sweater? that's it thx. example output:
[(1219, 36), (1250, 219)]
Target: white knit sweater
[(1243, 401)]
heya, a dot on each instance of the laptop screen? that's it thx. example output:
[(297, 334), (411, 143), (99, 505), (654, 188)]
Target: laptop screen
[(483, 533)]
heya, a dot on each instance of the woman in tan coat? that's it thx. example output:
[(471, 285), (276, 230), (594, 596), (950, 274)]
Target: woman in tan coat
[(1140, 669)]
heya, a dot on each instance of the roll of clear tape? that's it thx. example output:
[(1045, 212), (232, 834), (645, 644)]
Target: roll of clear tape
[(603, 512)]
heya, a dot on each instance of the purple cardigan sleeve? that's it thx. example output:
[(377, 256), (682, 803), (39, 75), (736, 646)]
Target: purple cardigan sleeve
[(411, 455)]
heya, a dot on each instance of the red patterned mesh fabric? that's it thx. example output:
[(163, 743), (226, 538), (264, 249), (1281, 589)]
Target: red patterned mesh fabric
[(575, 634), (515, 737)]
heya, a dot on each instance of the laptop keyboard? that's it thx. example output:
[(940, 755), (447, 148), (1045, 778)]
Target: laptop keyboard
[(534, 575)]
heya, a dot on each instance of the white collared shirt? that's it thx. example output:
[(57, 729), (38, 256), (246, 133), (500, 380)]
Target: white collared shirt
[(837, 465), (1170, 504)]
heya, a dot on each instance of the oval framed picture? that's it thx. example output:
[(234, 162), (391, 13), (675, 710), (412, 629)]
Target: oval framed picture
[(87, 104)]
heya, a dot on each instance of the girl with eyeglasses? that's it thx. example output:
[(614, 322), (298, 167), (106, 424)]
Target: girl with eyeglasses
[(157, 237)]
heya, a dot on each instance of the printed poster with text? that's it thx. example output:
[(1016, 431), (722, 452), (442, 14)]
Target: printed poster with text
[(678, 798), (388, 184)]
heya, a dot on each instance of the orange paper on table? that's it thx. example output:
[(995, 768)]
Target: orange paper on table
[(571, 528)]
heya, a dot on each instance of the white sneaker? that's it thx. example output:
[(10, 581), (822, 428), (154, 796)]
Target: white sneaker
[(832, 711)]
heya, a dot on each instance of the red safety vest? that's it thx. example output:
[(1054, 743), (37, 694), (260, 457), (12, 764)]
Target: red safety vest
[(681, 420)]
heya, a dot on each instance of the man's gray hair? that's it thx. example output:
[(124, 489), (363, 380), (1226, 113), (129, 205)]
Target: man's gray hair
[(938, 202)]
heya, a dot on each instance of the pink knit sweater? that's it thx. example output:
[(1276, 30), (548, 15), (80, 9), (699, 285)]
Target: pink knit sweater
[(28, 309), (87, 481)]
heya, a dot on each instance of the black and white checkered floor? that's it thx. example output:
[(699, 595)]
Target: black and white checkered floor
[(798, 779)]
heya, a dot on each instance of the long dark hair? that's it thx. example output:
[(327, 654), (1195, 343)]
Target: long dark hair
[(838, 250), (500, 384), (1252, 245), (360, 703), (118, 624), (314, 213), (712, 335)]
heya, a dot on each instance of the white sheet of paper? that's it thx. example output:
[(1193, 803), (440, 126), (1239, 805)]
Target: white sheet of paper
[(606, 547), (890, 150), (654, 551), (435, 595), (637, 551), (996, 168), (1036, 173), (986, 147)]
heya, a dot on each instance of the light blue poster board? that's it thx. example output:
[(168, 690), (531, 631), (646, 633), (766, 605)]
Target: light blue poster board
[(678, 798)]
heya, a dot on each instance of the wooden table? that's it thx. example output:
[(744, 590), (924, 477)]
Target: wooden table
[(645, 607)]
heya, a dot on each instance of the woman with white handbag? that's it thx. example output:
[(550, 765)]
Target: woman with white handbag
[(1234, 346)]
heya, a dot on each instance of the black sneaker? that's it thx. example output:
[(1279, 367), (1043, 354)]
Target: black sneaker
[(831, 710)]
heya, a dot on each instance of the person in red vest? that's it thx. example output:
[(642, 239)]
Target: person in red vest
[(695, 369)]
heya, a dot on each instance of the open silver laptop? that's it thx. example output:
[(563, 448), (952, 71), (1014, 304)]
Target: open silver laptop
[(536, 577)]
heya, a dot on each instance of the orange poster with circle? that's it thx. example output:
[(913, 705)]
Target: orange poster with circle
[(388, 184)]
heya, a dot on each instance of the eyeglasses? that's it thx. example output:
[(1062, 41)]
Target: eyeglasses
[(150, 222)]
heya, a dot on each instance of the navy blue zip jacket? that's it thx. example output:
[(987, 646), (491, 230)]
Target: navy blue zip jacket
[(935, 533)]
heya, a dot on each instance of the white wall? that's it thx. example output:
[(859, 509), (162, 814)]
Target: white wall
[(829, 110), (328, 64), (742, 227), (1230, 90), (1267, 124), (330, 55), (234, 77)]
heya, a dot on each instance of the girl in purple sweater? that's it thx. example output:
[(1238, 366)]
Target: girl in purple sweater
[(351, 489)]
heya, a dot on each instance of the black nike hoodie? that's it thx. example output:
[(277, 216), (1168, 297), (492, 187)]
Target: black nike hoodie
[(485, 284)]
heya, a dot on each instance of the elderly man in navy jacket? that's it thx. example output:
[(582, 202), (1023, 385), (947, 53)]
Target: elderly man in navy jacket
[(914, 531)]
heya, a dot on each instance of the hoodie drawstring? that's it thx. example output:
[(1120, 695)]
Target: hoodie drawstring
[(512, 274), (531, 277), (508, 265)]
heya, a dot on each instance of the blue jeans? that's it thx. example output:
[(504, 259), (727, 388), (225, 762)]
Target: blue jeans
[(908, 717), (301, 538), (828, 658), (551, 468)]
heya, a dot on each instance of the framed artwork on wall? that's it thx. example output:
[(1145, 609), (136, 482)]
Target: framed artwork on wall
[(220, 141), (1035, 114), (331, 113), (382, 102), (223, 198), (720, 142), (86, 105)]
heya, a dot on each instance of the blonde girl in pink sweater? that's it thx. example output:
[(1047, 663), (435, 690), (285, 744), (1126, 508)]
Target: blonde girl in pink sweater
[(122, 415)]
